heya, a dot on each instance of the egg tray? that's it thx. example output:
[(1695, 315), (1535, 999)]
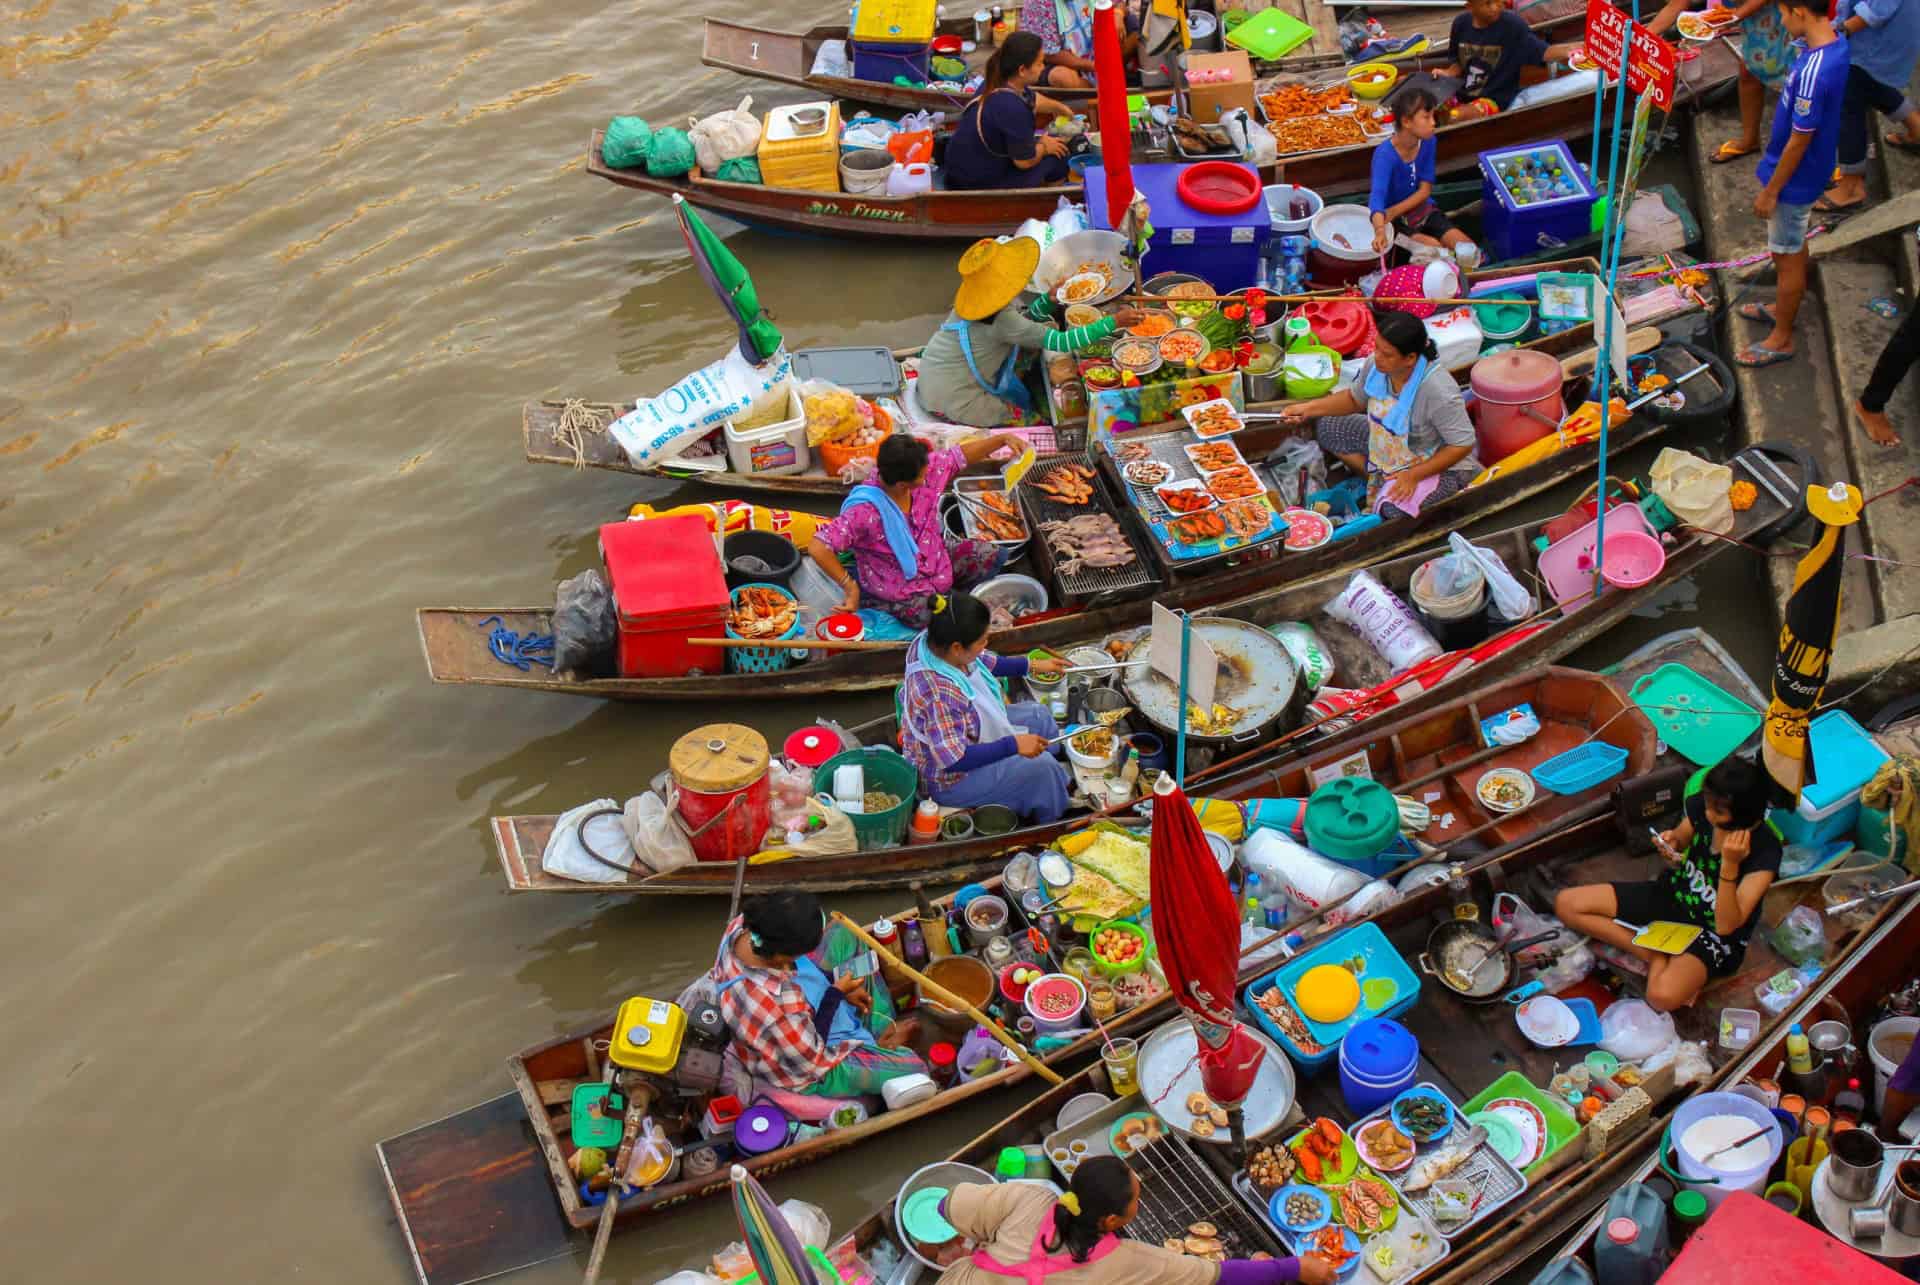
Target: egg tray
[(1249, 1194), (1498, 1182)]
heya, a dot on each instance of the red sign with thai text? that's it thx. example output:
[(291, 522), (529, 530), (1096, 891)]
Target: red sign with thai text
[(1650, 60)]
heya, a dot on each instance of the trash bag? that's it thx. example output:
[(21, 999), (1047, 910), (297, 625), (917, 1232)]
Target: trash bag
[(626, 142), (671, 154), (657, 842), (832, 60), (1693, 489), (809, 1222), (1510, 598), (589, 844), (741, 169), (1633, 1031), (725, 136), (586, 629)]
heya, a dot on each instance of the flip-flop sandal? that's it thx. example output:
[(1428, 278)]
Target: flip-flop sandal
[(1753, 357), (1760, 312), (1902, 144), (1730, 151), (1828, 207)]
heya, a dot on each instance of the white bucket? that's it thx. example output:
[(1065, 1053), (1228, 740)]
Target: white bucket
[(1279, 199), (1715, 1183), (1884, 1065), (864, 171)]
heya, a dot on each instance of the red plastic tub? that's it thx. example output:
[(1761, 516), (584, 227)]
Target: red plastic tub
[(1219, 187)]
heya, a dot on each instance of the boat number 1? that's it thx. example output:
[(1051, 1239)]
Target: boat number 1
[(753, 52)]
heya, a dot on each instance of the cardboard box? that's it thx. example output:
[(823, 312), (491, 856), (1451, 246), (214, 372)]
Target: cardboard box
[(1206, 100)]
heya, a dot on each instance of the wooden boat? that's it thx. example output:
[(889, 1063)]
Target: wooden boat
[(947, 215), (454, 640), (487, 1190)]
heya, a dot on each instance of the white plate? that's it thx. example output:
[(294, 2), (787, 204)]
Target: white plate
[(1520, 778), (1526, 1123), (1547, 1021)]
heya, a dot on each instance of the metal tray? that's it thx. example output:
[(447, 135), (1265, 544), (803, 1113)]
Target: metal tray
[(1250, 1196), (1088, 581), (1091, 1129), (1497, 1181), (970, 521), (1170, 1070)]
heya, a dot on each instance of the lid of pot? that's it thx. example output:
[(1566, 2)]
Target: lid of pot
[(1352, 819), (812, 745), (1341, 324), (1516, 376), (717, 758), (1379, 1048)]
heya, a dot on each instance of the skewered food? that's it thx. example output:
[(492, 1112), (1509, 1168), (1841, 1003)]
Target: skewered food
[(1234, 483), (1090, 540), (1067, 483), (761, 612)]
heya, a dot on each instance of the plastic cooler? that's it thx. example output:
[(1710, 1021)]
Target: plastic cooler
[(658, 612), (808, 162), (774, 449), (1223, 249), (889, 38), (1537, 198), (1749, 1239), (1845, 757), (880, 61)]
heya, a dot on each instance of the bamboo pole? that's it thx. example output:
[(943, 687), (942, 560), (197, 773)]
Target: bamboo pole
[(951, 1000), (800, 644)]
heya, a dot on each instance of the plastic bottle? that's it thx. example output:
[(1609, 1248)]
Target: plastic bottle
[(1850, 1103), (1255, 914), (1131, 772), (887, 935), (926, 823), (913, 943), (1799, 1052)]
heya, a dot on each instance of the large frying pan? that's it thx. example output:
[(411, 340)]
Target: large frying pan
[(1453, 949)]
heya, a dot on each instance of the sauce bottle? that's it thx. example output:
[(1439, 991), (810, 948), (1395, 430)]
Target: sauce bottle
[(913, 943), (887, 935), (1799, 1052)]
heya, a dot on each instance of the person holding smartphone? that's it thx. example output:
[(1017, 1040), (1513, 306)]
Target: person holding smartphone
[(1721, 859)]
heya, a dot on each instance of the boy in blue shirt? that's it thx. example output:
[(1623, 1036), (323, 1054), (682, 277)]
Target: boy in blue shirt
[(1795, 168), (1402, 191)]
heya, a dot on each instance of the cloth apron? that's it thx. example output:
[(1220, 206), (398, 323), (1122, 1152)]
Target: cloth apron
[(982, 689), (1040, 1264), (1007, 385), (1388, 453)]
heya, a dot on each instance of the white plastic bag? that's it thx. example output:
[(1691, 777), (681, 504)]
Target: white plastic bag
[(1633, 1031), (567, 857), (1509, 595), (1374, 896), (1695, 490), (724, 136), (1299, 468), (809, 1222), (690, 1278), (1310, 655), (1376, 613), (659, 843), (832, 60), (661, 427), (1310, 880)]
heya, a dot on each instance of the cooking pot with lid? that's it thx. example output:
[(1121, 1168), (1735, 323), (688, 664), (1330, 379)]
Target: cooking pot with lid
[(1519, 395)]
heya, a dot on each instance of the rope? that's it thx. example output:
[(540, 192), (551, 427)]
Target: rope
[(578, 422), (522, 651)]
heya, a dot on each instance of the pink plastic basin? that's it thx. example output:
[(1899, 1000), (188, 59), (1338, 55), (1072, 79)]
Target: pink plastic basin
[(1631, 558)]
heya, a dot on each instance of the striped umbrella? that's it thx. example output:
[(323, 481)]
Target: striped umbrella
[(1807, 629), (777, 1253)]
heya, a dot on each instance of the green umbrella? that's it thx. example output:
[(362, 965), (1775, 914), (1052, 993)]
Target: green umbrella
[(759, 339)]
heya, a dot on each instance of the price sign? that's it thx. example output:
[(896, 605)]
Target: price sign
[(1650, 60)]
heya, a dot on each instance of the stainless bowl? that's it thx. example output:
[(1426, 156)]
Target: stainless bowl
[(1061, 259)]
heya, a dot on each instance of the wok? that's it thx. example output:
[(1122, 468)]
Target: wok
[(1452, 949)]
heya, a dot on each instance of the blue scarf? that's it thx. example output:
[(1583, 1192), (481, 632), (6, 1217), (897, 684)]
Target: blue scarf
[(892, 521), (1377, 386)]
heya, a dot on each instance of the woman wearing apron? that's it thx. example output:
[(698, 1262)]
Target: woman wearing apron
[(969, 371), (1402, 424), (956, 727), (1029, 1236)]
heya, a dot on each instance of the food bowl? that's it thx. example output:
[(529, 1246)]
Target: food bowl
[(1017, 595), (1113, 931), (1063, 258), (1372, 80), (1043, 680), (1101, 376), (1016, 977), (1055, 1003), (1083, 314), (1504, 789), (1384, 1146), (1134, 1130), (808, 120), (1411, 1122), (1091, 758), (1136, 356), (1183, 347), (994, 818), (966, 977), (1082, 288)]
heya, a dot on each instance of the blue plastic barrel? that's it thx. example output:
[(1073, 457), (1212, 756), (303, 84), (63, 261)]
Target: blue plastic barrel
[(1379, 1060)]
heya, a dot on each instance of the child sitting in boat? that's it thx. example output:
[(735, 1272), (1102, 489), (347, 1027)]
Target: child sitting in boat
[(1722, 858), (1491, 46), (1402, 424), (797, 1022), (1401, 197)]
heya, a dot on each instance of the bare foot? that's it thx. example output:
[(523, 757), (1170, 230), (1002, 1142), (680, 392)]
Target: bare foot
[(1878, 426)]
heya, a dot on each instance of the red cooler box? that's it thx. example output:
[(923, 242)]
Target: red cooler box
[(667, 587)]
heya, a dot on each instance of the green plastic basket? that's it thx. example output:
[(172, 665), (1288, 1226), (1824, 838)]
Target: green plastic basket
[(1270, 35), (1562, 1128), (885, 770)]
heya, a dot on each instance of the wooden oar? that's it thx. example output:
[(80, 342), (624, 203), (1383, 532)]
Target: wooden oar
[(638, 1100), (951, 1000)]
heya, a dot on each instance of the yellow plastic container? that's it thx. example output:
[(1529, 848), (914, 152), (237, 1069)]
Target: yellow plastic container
[(807, 161), (647, 1035), (1372, 80), (893, 21)]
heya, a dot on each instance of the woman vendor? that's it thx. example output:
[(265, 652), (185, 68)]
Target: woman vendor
[(996, 142), (797, 1022), (969, 370), (1402, 424), (1025, 1232), (1721, 859), (902, 554), (956, 727)]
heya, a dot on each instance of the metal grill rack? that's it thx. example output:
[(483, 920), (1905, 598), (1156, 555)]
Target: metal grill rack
[(1040, 507), (1177, 1189), (1496, 1181)]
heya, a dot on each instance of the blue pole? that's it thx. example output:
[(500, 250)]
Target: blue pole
[(1604, 323), (1180, 740)]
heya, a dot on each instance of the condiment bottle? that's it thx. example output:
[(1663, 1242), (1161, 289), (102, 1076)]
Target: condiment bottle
[(1131, 772), (943, 1063), (888, 936), (1849, 1104), (926, 823), (1799, 1052), (913, 943), (998, 954)]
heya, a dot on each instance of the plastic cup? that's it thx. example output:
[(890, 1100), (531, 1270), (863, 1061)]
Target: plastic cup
[(1122, 1060)]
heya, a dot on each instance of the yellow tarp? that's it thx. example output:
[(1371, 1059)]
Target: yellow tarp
[(724, 517)]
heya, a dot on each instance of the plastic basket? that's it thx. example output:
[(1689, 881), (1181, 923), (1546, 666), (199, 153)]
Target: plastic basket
[(885, 770), (764, 660), (1581, 768), (1562, 1128)]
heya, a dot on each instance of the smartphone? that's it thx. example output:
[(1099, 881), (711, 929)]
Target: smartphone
[(1660, 845), (865, 964)]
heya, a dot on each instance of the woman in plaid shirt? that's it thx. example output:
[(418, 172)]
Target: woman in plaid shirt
[(841, 1044), (956, 727)]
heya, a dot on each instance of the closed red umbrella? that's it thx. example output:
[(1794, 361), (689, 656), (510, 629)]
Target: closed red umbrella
[(1116, 132), (1196, 932)]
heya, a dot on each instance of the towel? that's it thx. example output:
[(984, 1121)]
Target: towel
[(1895, 789), (893, 522), (1397, 419)]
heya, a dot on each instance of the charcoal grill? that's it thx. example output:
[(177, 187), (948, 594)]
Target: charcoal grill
[(1087, 582), (1177, 1190)]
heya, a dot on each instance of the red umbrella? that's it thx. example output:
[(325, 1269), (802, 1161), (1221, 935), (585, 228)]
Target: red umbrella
[(1116, 133), (1196, 932)]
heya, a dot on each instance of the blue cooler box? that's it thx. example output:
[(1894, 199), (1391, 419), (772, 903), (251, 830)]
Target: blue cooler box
[(881, 62), (1225, 249), (1537, 198), (1845, 757)]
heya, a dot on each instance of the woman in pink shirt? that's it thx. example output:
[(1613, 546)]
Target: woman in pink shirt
[(902, 554)]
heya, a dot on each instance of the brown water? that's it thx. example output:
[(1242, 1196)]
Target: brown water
[(274, 282)]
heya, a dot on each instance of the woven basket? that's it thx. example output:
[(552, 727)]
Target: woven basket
[(764, 660)]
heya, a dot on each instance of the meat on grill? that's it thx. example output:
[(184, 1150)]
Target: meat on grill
[(1090, 540)]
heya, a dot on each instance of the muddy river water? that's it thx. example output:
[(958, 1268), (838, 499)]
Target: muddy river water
[(274, 280)]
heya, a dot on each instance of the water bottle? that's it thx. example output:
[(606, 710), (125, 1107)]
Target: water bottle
[(1254, 913)]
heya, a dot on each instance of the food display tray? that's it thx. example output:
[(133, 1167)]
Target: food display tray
[(1250, 1196), (1040, 508), (970, 520), (1498, 1182), (1093, 1130), (1170, 449)]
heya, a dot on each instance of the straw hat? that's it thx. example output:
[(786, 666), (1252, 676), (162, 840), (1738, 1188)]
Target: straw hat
[(992, 275)]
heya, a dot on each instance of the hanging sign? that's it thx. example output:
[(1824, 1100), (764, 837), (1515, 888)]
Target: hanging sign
[(1650, 60)]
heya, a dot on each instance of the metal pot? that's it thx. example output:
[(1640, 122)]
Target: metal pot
[(1467, 947), (1853, 1164), (1256, 676)]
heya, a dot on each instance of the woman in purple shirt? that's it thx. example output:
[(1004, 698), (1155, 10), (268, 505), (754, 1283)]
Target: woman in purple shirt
[(994, 143), (902, 554)]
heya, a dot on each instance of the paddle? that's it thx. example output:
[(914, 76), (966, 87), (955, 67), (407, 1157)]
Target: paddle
[(638, 1100)]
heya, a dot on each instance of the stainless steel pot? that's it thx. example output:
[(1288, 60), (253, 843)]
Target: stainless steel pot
[(1903, 1202), (1854, 1159), (1467, 948)]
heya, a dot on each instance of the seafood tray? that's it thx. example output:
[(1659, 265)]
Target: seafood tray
[(970, 520), (1250, 1196), (1041, 508), (1170, 449), (1496, 1181), (1177, 1190)]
